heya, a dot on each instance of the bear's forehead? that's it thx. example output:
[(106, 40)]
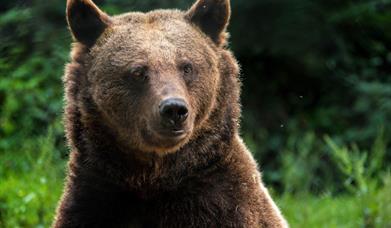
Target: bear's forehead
[(162, 27), (149, 17), (161, 36)]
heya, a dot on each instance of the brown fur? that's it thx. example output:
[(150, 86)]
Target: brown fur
[(122, 171)]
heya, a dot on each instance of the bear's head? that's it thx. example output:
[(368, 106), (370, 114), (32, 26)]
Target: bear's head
[(153, 77)]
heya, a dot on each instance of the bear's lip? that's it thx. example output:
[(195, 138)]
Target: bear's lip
[(173, 133)]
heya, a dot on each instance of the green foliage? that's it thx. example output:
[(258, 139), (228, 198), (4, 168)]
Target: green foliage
[(364, 176), (31, 182), (359, 167), (324, 211), (314, 66), (30, 72), (366, 201), (299, 163), (371, 210)]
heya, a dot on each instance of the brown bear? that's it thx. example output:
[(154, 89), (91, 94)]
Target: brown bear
[(152, 119)]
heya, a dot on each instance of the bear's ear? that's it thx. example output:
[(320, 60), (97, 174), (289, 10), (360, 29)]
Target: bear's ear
[(212, 17), (86, 21)]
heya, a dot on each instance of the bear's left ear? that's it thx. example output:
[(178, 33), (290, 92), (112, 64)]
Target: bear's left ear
[(212, 17)]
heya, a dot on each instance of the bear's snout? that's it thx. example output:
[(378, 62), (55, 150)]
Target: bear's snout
[(173, 113)]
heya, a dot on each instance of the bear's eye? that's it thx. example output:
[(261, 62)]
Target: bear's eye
[(187, 69), (139, 72)]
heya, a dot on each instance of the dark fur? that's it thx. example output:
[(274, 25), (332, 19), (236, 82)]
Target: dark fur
[(115, 179)]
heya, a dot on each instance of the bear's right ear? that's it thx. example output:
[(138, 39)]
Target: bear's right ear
[(86, 21)]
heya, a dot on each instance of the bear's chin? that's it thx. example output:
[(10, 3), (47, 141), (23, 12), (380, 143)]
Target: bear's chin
[(163, 144), (161, 151)]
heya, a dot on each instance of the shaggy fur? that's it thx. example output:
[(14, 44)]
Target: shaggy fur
[(122, 171)]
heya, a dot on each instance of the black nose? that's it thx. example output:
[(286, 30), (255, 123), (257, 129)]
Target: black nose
[(174, 111)]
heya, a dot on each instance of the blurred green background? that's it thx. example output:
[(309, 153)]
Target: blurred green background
[(316, 105)]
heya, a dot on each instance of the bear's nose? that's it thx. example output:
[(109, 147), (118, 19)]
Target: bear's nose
[(174, 111)]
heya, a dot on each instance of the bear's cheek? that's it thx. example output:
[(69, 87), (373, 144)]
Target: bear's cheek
[(117, 105), (203, 96)]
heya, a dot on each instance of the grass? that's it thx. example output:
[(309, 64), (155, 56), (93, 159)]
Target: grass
[(31, 183), (369, 210), (32, 179), (325, 211)]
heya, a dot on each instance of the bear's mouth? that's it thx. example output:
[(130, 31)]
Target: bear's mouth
[(164, 139), (173, 133)]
